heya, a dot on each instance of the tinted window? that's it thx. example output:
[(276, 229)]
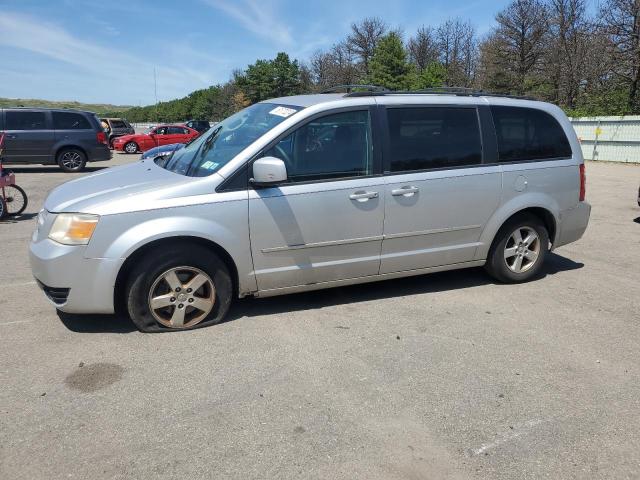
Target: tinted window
[(70, 121), (334, 146), (118, 124), (434, 137), (528, 134), (175, 130), (25, 120), (161, 131)]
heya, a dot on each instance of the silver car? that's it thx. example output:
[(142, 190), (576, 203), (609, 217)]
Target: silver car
[(316, 191)]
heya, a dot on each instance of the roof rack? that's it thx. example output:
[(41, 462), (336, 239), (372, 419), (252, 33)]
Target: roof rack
[(349, 88), (458, 91)]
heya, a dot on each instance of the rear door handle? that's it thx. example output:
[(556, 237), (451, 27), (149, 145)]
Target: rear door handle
[(12, 136), (363, 196), (405, 191)]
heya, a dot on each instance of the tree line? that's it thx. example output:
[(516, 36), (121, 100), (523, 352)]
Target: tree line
[(553, 50)]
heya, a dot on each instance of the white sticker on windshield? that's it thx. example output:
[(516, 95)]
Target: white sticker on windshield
[(209, 165), (282, 111)]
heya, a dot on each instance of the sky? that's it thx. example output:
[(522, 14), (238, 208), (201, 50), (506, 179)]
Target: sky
[(106, 52)]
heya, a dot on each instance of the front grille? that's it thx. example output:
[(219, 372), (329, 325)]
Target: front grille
[(56, 295)]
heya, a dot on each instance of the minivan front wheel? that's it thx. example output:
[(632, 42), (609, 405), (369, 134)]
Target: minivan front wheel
[(180, 288), (71, 160), (519, 250)]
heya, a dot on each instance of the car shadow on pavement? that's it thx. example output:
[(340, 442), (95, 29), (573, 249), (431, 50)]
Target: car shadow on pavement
[(50, 169), (402, 287), (18, 218), (81, 323), (432, 283)]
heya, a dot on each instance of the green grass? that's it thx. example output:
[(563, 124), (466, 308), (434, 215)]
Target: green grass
[(99, 108)]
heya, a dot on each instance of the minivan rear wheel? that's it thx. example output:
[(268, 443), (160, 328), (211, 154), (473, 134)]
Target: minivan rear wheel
[(179, 288), (71, 160), (519, 250)]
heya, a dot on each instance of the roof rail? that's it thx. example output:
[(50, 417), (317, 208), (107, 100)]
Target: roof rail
[(349, 88), (458, 91)]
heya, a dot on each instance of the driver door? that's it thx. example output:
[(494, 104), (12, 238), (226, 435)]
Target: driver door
[(161, 136), (325, 223)]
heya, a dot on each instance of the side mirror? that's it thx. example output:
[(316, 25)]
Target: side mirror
[(268, 171)]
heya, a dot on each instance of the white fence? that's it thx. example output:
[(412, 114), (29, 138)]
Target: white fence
[(611, 139)]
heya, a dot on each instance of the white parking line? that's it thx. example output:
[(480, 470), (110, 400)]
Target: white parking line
[(518, 431), (17, 321), (24, 284)]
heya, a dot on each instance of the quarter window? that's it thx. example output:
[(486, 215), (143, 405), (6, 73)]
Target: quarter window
[(335, 146), (528, 134), (25, 120), (433, 137), (70, 121)]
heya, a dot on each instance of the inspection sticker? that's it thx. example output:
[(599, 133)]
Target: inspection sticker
[(209, 165), (282, 111)]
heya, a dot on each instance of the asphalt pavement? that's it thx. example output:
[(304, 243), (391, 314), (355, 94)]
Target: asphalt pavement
[(444, 376)]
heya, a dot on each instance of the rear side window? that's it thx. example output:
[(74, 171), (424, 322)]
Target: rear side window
[(118, 124), (177, 130), (70, 121), (433, 137), (335, 146), (528, 134), (25, 120)]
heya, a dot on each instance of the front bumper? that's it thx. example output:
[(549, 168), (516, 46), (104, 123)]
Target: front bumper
[(573, 224), (90, 281)]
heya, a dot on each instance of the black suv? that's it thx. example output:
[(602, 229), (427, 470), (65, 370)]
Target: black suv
[(70, 138), (116, 127), (199, 125)]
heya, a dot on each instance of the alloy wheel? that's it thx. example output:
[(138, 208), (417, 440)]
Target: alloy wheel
[(522, 249), (71, 160), (182, 297)]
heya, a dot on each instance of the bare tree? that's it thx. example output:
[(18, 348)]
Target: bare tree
[(458, 48), (363, 39), (336, 67), (566, 58), (423, 48), (621, 23), (512, 53)]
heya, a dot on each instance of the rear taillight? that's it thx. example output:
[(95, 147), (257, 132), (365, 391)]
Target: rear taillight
[(101, 137), (583, 183)]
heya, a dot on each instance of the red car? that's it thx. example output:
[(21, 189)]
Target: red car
[(154, 137)]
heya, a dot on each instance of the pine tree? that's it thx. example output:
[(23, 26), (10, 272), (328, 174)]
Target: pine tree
[(389, 65)]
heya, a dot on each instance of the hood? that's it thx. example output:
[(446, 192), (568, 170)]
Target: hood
[(138, 186), (161, 149)]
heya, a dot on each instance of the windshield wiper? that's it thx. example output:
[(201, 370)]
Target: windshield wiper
[(204, 148)]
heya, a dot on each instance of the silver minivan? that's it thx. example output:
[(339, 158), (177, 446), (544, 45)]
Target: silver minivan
[(315, 191)]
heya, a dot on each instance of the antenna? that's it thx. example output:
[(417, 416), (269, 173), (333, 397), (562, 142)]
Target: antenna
[(155, 90)]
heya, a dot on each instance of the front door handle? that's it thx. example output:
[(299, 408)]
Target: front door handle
[(363, 196), (405, 191), (12, 136)]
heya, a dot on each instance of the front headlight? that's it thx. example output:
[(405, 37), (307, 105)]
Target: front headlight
[(73, 228)]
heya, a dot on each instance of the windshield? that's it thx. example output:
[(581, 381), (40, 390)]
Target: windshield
[(222, 142)]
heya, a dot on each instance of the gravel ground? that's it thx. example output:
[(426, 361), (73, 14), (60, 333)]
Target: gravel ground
[(445, 376)]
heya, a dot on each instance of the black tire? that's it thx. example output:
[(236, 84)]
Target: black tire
[(505, 269), (16, 199), (71, 160), (147, 274), (130, 147), (3, 208)]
